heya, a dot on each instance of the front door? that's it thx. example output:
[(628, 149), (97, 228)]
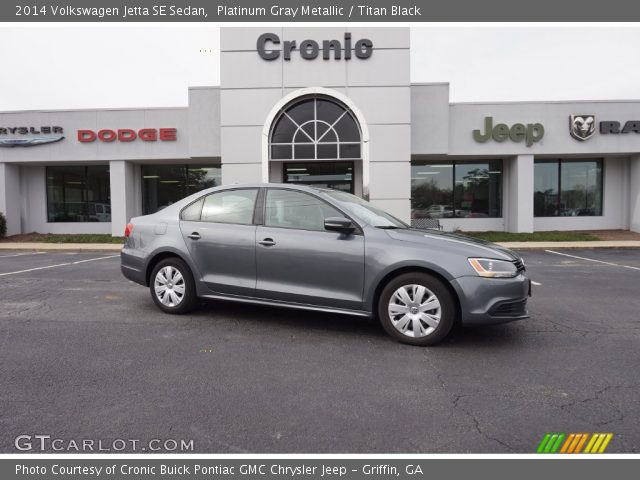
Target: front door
[(299, 261), (221, 239)]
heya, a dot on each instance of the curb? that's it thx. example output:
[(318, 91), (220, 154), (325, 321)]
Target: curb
[(62, 247), (557, 245)]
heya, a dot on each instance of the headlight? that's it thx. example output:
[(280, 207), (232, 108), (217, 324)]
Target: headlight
[(487, 267)]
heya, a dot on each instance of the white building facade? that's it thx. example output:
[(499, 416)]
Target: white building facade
[(332, 107)]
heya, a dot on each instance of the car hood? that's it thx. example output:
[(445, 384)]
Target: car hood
[(476, 247)]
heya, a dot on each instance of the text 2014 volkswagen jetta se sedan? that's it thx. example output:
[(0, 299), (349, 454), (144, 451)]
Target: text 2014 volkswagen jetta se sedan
[(319, 249)]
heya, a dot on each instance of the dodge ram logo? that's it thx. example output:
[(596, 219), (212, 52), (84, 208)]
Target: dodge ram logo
[(582, 127)]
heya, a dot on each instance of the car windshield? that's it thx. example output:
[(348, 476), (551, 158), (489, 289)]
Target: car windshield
[(364, 211)]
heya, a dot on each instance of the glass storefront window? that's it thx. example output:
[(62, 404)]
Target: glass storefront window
[(545, 197), (163, 185), (458, 189), (432, 190), (336, 175), (568, 188), (478, 190), (78, 194), (581, 193)]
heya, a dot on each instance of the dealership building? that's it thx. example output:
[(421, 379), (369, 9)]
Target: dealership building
[(331, 107)]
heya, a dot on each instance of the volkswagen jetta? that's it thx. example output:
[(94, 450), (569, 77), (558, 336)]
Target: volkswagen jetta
[(319, 249)]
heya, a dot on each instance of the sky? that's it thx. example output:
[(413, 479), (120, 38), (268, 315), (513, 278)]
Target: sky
[(105, 66)]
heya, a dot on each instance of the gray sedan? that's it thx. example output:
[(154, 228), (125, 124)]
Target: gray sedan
[(318, 249)]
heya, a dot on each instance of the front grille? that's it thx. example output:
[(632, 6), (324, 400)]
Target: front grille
[(511, 309)]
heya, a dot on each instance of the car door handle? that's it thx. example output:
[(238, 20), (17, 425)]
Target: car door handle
[(194, 236), (267, 242)]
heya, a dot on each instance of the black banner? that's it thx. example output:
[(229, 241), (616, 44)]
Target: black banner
[(327, 469), (319, 11)]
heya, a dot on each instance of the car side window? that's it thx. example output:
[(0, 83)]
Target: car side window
[(230, 206), (193, 211), (291, 209)]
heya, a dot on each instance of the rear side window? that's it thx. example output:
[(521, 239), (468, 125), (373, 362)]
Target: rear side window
[(230, 206), (291, 209), (192, 212)]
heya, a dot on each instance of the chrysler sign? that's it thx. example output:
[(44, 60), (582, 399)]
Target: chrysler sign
[(29, 136)]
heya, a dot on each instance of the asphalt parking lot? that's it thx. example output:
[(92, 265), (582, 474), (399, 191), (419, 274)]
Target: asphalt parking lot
[(84, 354)]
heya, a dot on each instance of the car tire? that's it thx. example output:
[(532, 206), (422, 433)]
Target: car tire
[(401, 311), (179, 292)]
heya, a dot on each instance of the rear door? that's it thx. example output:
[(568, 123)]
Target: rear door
[(221, 237), (299, 261)]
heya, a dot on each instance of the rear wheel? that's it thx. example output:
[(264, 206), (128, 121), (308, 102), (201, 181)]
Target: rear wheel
[(172, 286), (417, 308)]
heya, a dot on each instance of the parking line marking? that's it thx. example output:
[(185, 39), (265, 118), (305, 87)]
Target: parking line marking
[(58, 265), (594, 260), (537, 284), (21, 254)]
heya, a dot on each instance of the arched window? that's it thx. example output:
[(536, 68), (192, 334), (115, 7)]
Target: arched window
[(315, 128)]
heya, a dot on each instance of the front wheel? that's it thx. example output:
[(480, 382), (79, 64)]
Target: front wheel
[(172, 287), (417, 308)]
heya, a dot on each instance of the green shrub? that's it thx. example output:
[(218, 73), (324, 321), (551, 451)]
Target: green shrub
[(3, 225)]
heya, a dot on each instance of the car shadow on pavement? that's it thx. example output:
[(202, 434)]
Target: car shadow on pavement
[(487, 336), (286, 318), (311, 322)]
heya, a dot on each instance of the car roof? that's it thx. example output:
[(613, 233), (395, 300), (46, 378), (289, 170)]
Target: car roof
[(291, 186)]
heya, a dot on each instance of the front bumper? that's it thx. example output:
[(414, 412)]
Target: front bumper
[(487, 301)]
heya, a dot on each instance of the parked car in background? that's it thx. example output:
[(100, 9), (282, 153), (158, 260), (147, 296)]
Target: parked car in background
[(99, 212), (79, 212), (440, 211), (318, 249)]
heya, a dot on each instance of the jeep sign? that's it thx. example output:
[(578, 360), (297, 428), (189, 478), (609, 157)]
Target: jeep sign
[(518, 132)]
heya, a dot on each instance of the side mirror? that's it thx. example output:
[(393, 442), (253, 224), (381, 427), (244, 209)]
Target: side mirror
[(339, 224)]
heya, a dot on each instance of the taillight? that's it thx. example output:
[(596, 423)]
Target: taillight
[(128, 229)]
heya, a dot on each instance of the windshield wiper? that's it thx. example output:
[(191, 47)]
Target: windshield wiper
[(388, 227)]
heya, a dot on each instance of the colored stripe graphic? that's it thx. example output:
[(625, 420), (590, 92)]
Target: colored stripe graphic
[(543, 443), (604, 445), (565, 447), (550, 443), (578, 448), (576, 438), (556, 445), (598, 443), (574, 443), (590, 444)]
